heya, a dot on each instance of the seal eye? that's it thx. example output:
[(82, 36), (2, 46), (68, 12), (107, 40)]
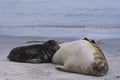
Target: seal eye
[(93, 41)]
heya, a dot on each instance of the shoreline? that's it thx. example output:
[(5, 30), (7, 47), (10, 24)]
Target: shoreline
[(77, 33), (105, 26)]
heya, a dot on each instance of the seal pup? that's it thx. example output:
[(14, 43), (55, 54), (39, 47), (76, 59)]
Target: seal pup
[(36, 53), (82, 56)]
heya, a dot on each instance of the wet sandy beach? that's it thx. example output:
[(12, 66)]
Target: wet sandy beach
[(17, 71)]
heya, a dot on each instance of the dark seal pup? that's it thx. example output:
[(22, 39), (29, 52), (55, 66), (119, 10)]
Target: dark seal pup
[(37, 53)]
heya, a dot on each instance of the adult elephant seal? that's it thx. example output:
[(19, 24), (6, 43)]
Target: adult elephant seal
[(82, 56), (37, 53)]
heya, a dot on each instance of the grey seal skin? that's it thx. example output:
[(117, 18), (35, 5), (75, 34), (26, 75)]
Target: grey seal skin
[(37, 53)]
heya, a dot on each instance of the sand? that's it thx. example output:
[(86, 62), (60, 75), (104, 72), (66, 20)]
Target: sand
[(25, 71)]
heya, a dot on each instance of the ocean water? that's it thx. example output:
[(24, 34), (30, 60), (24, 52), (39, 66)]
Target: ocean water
[(96, 19), (75, 13)]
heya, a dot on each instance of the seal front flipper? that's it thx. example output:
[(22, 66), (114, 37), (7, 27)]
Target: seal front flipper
[(62, 68)]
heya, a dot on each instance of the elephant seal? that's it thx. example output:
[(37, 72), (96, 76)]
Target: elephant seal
[(82, 56), (36, 53)]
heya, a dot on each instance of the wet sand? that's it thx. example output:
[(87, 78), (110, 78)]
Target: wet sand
[(46, 71)]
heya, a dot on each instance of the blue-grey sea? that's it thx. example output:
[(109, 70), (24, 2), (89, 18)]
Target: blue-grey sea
[(60, 18), (60, 12)]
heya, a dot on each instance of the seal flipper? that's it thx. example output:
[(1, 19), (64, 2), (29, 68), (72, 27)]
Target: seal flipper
[(61, 68)]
